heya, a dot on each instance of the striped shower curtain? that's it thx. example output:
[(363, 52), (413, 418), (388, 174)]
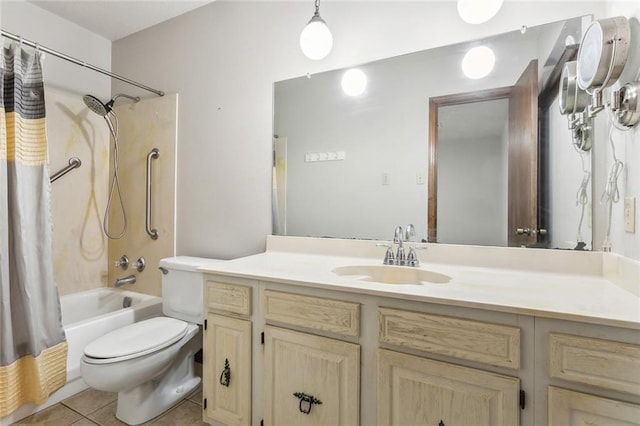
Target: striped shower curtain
[(33, 349)]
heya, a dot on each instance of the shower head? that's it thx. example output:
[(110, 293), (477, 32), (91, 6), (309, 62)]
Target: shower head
[(96, 105)]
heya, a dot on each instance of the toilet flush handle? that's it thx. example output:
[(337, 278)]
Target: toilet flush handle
[(164, 270)]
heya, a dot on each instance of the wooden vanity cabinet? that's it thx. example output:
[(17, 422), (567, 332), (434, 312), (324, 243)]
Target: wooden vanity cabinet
[(310, 379), (227, 354), (587, 374), (416, 390)]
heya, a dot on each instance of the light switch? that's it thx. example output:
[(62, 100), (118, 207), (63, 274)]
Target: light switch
[(420, 178), (630, 214), (385, 178)]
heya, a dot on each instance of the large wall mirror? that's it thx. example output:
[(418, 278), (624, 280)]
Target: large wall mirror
[(485, 161)]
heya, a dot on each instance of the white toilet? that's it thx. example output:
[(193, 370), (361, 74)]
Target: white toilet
[(150, 363)]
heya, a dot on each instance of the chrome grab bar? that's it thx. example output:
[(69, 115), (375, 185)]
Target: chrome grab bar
[(153, 233), (74, 163)]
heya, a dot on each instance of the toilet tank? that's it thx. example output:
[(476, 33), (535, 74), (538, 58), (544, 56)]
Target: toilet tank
[(183, 287)]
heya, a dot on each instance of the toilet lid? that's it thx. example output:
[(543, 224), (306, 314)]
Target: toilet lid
[(144, 336)]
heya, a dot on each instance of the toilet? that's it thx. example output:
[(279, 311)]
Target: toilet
[(150, 363)]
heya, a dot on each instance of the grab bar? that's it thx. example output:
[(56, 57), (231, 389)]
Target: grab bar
[(74, 163), (153, 154)]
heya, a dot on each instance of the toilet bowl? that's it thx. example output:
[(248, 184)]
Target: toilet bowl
[(150, 364)]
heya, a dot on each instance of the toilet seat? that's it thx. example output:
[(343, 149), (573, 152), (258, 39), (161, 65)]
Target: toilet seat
[(135, 340)]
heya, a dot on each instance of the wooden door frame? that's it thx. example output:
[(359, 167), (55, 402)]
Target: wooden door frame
[(435, 103)]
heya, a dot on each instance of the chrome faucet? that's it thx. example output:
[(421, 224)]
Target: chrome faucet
[(130, 279), (399, 258)]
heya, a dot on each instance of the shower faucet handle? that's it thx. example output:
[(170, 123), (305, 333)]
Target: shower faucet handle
[(139, 264), (123, 262)]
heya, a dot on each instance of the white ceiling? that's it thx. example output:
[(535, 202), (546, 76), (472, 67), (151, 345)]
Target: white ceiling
[(116, 19)]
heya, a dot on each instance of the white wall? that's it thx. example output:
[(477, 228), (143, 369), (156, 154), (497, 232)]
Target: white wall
[(38, 25), (627, 145), (472, 183), (223, 60)]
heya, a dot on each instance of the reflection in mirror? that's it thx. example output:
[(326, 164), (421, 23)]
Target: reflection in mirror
[(357, 166)]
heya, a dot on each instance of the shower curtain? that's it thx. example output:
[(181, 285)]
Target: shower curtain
[(33, 349)]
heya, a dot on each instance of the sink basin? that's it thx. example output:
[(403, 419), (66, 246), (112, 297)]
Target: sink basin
[(388, 274)]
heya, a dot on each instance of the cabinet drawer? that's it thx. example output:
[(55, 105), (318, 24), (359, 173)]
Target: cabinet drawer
[(575, 408), (313, 312), (602, 363), (486, 343), (231, 298)]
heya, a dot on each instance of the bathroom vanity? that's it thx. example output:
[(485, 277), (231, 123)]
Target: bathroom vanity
[(314, 331)]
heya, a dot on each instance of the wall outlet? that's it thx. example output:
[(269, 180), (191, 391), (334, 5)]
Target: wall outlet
[(630, 214)]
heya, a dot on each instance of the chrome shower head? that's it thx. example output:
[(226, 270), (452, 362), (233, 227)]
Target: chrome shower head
[(96, 105)]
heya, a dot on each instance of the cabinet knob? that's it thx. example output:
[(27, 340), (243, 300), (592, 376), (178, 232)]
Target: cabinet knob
[(306, 402), (225, 377), (441, 423)]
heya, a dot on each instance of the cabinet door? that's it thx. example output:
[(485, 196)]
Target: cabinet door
[(227, 370), (310, 380), (578, 409), (419, 391)]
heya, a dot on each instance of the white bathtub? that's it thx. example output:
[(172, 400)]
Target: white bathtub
[(86, 316)]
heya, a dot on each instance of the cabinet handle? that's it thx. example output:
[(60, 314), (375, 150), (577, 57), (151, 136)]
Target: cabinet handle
[(306, 402), (225, 377)]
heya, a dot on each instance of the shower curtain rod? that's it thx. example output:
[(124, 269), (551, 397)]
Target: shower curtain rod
[(77, 61)]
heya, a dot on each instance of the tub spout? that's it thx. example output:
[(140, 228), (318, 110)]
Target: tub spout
[(126, 280)]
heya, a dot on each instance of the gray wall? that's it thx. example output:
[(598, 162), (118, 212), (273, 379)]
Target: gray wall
[(223, 59)]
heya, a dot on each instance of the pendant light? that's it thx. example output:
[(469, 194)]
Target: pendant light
[(478, 11), (478, 62), (316, 39)]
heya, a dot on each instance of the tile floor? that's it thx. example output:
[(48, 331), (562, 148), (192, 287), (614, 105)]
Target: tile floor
[(92, 407)]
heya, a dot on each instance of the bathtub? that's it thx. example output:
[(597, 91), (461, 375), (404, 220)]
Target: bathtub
[(86, 316)]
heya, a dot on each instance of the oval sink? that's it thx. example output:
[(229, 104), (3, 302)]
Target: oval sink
[(388, 274)]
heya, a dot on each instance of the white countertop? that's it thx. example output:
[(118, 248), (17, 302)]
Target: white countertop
[(585, 297)]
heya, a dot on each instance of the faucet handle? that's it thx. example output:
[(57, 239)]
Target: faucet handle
[(409, 232), (388, 257), (122, 263), (412, 257), (397, 235)]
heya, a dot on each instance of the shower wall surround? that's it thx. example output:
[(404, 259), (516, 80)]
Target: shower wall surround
[(78, 198), (150, 123)]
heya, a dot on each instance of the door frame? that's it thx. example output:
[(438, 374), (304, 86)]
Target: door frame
[(439, 102)]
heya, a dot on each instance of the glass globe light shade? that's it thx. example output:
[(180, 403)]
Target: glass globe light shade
[(316, 40), (478, 62), (478, 11), (354, 82)]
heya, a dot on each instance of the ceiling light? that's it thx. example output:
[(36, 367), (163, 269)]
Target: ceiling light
[(478, 11), (354, 82), (478, 62), (316, 40)]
